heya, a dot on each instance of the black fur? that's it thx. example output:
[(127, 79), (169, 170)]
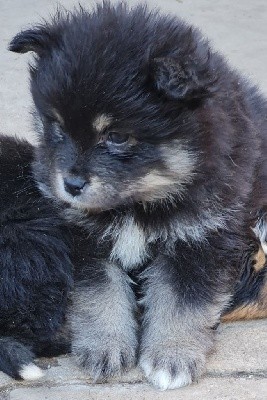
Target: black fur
[(150, 133), (35, 268)]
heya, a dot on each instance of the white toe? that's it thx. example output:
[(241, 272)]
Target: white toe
[(31, 372), (162, 378)]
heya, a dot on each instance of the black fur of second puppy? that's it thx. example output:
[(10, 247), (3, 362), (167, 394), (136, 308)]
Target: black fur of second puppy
[(35, 269), (156, 147)]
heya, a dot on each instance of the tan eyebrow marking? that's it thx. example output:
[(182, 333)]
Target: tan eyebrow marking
[(101, 122)]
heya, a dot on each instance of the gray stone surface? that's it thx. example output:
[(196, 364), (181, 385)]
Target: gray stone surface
[(207, 389), (240, 347), (238, 368)]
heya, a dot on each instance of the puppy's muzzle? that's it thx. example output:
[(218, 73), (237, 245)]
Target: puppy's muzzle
[(74, 185)]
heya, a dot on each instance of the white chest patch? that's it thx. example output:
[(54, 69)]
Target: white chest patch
[(129, 246)]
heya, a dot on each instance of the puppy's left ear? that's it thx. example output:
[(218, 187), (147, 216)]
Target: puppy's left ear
[(180, 81), (36, 40)]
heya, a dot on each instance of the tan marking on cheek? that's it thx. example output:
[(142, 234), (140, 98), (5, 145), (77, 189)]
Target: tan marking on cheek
[(101, 122), (152, 186), (179, 159), (259, 260), (153, 180)]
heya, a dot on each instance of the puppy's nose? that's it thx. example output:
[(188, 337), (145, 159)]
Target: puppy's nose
[(74, 185)]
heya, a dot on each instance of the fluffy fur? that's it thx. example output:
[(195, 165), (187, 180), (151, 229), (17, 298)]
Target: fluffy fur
[(153, 145), (35, 269)]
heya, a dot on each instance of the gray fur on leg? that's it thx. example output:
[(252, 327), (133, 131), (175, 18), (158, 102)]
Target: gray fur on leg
[(175, 339), (103, 324)]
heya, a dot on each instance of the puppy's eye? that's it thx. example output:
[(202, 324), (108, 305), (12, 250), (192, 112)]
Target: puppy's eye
[(117, 138)]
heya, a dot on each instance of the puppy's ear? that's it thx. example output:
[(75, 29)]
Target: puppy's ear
[(179, 81), (36, 40)]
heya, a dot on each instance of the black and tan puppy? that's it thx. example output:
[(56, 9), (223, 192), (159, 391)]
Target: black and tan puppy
[(35, 269), (156, 147)]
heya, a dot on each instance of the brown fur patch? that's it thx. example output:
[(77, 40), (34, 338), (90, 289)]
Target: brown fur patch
[(260, 259), (251, 311), (254, 310)]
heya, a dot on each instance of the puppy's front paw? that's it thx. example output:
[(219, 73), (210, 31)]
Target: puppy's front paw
[(106, 359), (170, 368)]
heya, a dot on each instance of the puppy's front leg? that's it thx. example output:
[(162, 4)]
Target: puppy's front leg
[(181, 306), (103, 321)]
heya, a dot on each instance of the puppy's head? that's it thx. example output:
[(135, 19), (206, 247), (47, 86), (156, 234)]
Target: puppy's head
[(116, 93)]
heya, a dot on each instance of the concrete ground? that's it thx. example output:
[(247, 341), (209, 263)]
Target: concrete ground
[(238, 370)]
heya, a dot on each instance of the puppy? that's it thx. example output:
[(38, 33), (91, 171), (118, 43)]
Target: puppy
[(35, 268), (153, 145)]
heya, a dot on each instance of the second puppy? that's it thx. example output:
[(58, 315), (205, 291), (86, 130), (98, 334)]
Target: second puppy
[(35, 267)]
